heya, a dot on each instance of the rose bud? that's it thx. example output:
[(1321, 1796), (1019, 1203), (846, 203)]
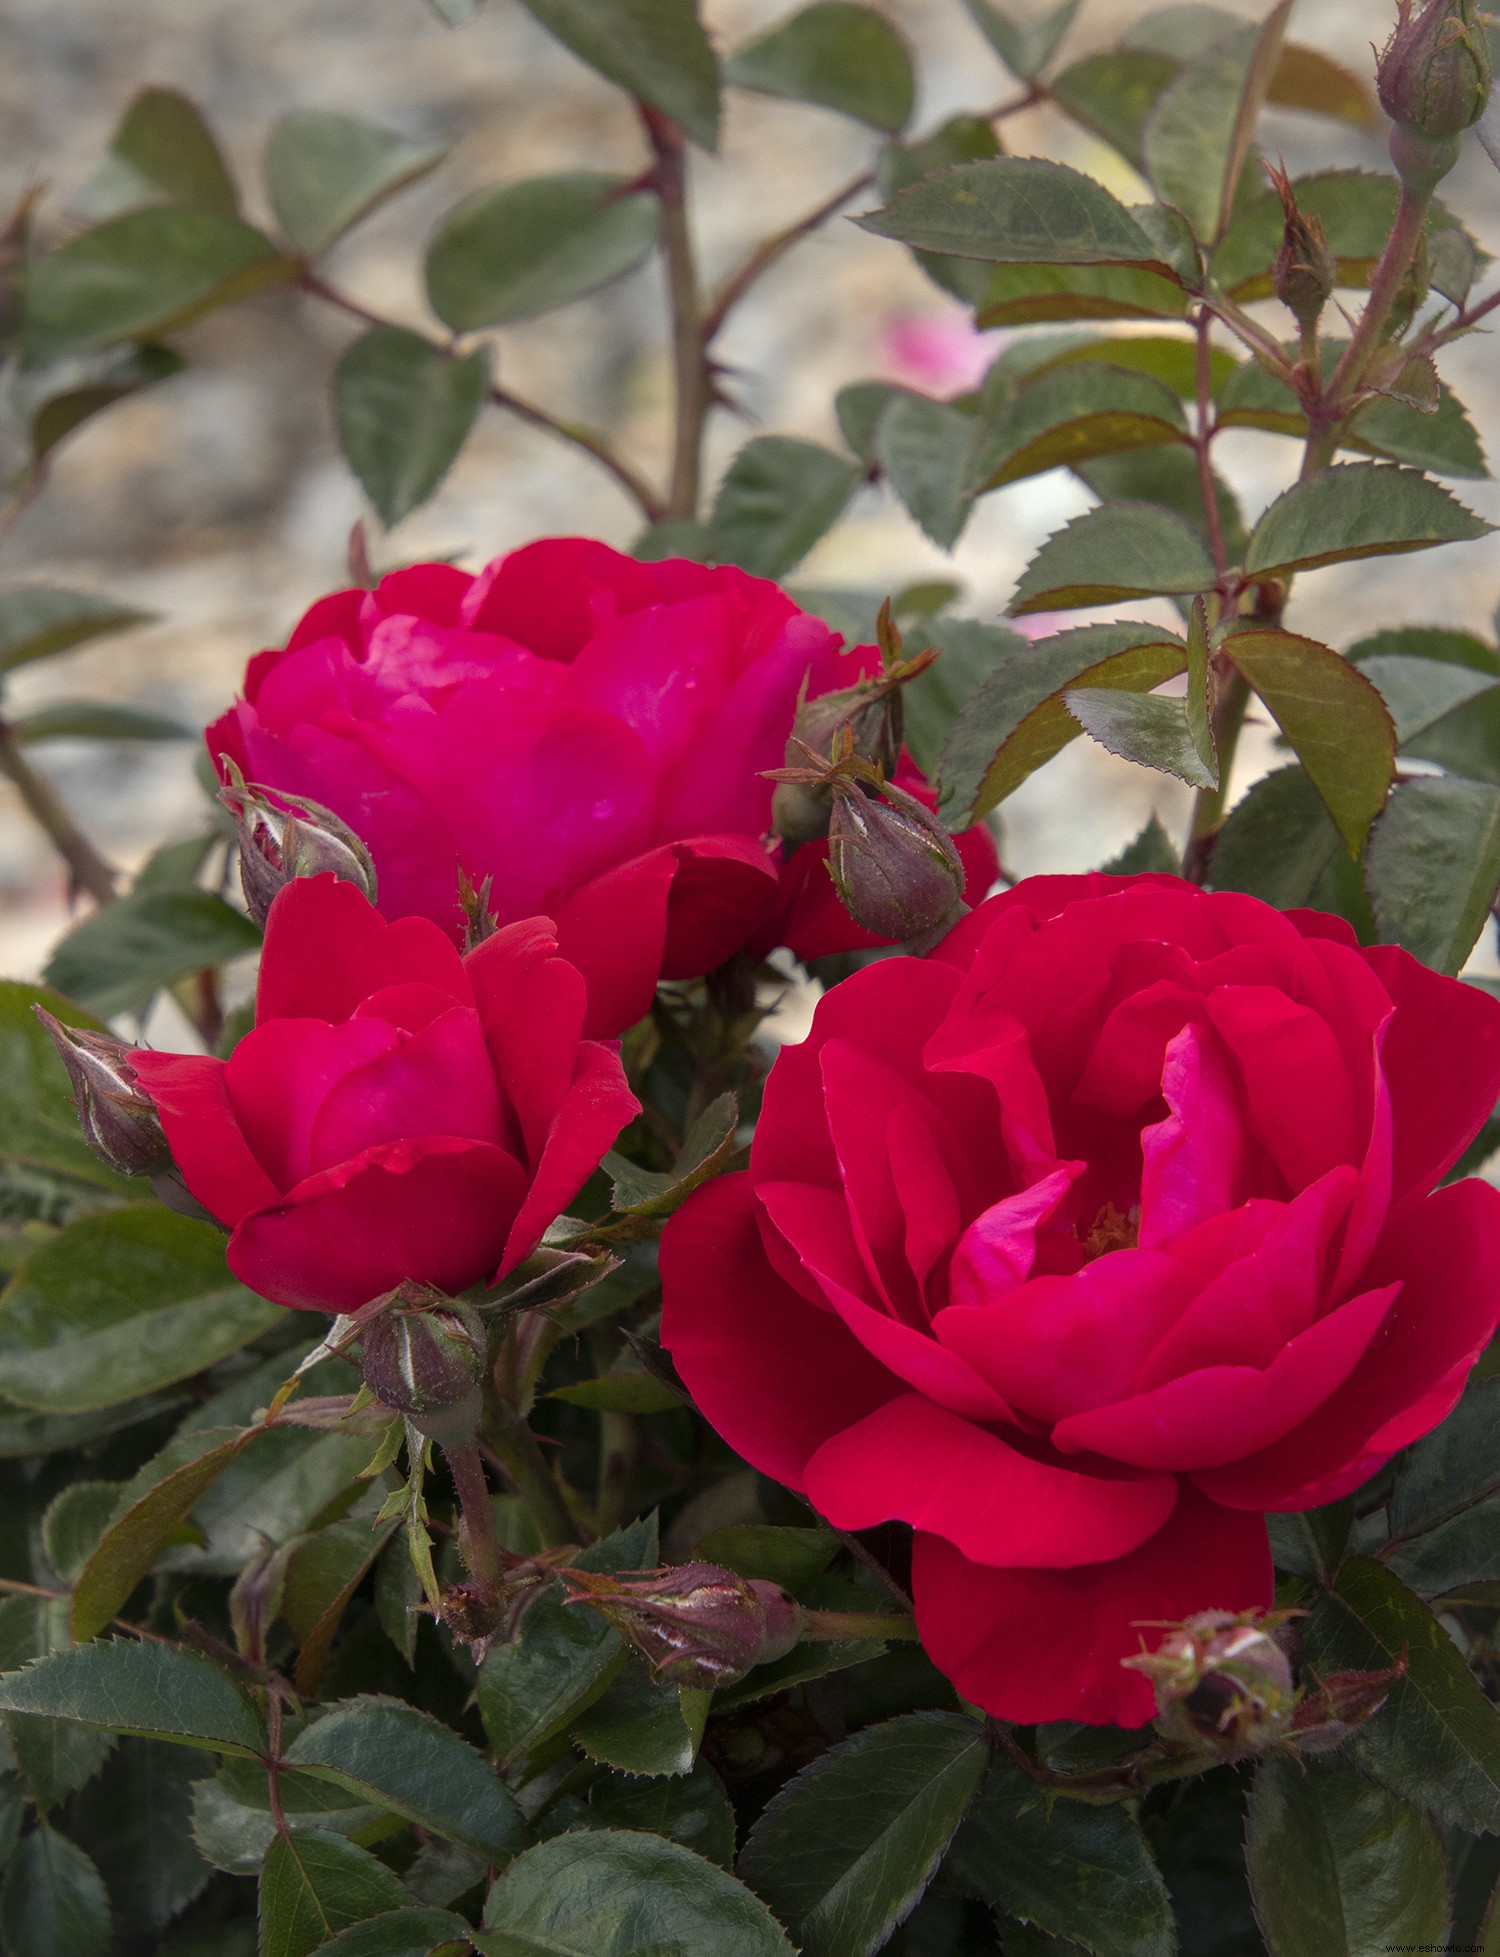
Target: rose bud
[(894, 866), (280, 840), (1306, 271), (1337, 1704), (1434, 72), (119, 1118), (425, 1357), (1221, 1679), (695, 1623)]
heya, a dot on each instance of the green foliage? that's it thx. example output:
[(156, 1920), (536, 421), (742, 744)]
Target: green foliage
[(655, 49), (1195, 139), (691, 1809), (923, 448), (162, 152), (53, 1900), (326, 171), (38, 620), (1027, 45), (39, 1130), (134, 1817), (1356, 509), (1015, 210), (158, 1691), (1121, 551), (837, 54), (777, 499), (642, 1725), (116, 959), (530, 247), (405, 409), (1144, 727), (845, 1850), (313, 1884), (1434, 867), (632, 1895), (1337, 1865)]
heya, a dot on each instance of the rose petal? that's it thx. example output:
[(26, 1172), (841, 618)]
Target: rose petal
[(531, 1006), (997, 1251), (327, 949), (279, 1076), (1037, 1645), (204, 1134), (1294, 1080), (595, 1108), (1442, 1060), (437, 1081), (910, 1461), (1193, 1163)]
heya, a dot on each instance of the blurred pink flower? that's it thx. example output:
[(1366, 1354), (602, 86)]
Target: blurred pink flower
[(942, 351)]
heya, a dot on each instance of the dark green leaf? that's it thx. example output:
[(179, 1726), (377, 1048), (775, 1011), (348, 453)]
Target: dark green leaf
[(54, 1901), (655, 49), (1337, 1867), (961, 139), (807, 1662), (315, 1884), (1170, 359), (934, 699), (1332, 716), (51, 401), (1436, 1740), (1454, 1556), (1025, 46), (74, 1521), (1167, 476), (1453, 1467), (402, 1933), (1071, 415), (706, 1147), (1312, 1542), (118, 957), (845, 1849), (322, 1575), (143, 274), (622, 1391), (1356, 209), (1148, 728), (1305, 78), (95, 720), (1017, 719), (53, 1756), (1152, 849), (530, 247), (404, 409), (1356, 509), (790, 1557), (402, 1759), (923, 448), (145, 1515), (838, 55), (156, 1690), (1466, 741), (1434, 866), (1198, 133), (135, 1818), (41, 619), (1031, 294), (232, 1824), (325, 171), (860, 408), (1074, 1871), (1124, 550), (632, 1895), (161, 153), (1113, 94), (1278, 842), (286, 1481), (562, 1658), (642, 1726), (778, 498), (121, 1304), (1421, 692), (692, 1809), (1016, 210)]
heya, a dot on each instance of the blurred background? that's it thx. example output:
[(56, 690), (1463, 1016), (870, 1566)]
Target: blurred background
[(217, 502)]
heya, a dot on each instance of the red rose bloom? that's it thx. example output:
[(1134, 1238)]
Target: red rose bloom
[(586, 731), (1084, 1242), (398, 1111)]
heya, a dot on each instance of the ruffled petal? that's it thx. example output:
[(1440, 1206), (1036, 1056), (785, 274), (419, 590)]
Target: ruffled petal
[(1037, 1645), (595, 1108), (203, 1132), (910, 1461), (327, 949), (1442, 1062)]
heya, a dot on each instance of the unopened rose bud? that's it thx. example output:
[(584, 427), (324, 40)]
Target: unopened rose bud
[(424, 1357), (696, 1624), (118, 1117), (281, 840), (1337, 1704), (1222, 1681), (1306, 271), (894, 866), (1434, 78)]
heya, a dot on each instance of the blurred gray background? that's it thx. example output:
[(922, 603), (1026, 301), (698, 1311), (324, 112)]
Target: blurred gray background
[(218, 501)]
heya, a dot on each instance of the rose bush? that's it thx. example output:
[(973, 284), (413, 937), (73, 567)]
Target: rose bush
[(398, 1111), (586, 731), (1084, 1242)]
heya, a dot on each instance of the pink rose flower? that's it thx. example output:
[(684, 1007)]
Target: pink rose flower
[(587, 731), (398, 1111), (1086, 1241)]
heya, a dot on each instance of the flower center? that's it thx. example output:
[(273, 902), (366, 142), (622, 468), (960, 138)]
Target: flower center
[(1112, 1230)]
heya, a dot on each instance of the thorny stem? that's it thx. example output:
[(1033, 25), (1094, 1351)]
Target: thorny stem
[(86, 866), (634, 485), (1203, 436), (689, 346), (273, 1760), (476, 1533), (1208, 803), (514, 1446)]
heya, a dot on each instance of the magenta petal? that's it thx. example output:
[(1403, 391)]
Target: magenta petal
[(998, 1249), (1034, 1645), (910, 1461), (1224, 1412), (596, 1106), (1442, 1060), (774, 1375), (614, 929), (1193, 1162), (436, 1081), (279, 1076), (327, 949), (1294, 1078), (433, 1210), (531, 1005), (204, 1134)]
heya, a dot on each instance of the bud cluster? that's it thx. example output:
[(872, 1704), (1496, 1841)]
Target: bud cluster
[(697, 1624), (280, 840), (1434, 73)]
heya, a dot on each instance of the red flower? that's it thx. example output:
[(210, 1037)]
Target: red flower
[(398, 1111), (587, 731), (1084, 1242)]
